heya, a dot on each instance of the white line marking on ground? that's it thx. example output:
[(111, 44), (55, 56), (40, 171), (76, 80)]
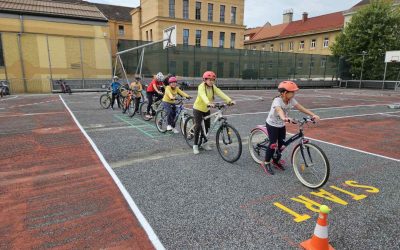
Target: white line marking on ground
[(358, 150), (30, 114), (5, 98), (146, 226), (390, 114), (349, 116)]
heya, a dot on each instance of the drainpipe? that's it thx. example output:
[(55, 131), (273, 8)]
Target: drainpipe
[(20, 52)]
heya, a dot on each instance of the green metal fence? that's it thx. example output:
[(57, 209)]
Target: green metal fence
[(191, 61)]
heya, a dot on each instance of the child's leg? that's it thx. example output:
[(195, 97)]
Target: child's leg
[(273, 133), (150, 100), (137, 102), (197, 117), (171, 116), (281, 141)]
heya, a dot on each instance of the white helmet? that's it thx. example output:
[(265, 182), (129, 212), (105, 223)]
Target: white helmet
[(115, 77), (160, 77)]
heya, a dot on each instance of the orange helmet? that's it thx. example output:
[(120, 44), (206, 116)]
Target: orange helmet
[(288, 86), (209, 75)]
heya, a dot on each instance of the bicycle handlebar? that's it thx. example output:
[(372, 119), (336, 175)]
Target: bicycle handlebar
[(219, 105), (302, 121)]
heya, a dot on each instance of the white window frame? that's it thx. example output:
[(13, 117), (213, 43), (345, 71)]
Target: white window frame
[(301, 45), (313, 43), (326, 42)]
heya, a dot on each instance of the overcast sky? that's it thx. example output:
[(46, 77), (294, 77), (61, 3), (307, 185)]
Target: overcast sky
[(258, 12)]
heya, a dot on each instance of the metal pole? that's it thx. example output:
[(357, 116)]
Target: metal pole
[(362, 67), (141, 46), (122, 65), (384, 76), (115, 65), (51, 73), (21, 58), (83, 73), (141, 62)]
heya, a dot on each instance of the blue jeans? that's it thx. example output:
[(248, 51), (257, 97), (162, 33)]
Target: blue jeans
[(171, 113)]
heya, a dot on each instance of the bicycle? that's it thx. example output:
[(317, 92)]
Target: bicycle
[(307, 158), (105, 99), (226, 136), (161, 118)]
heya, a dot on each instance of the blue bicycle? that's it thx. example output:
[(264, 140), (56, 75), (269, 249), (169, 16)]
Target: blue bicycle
[(182, 115)]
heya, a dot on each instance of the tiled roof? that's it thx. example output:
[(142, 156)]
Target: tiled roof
[(268, 31), (252, 31), (327, 22), (52, 8), (119, 13)]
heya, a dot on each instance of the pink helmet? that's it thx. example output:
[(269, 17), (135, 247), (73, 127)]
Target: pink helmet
[(172, 79), (209, 75), (288, 86)]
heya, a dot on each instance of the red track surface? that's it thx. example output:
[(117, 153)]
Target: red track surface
[(54, 191)]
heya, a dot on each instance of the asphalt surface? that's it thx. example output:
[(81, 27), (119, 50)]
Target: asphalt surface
[(202, 202)]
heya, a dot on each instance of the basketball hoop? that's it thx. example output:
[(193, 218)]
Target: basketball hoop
[(169, 37)]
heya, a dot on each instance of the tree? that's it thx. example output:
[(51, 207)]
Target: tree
[(374, 29)]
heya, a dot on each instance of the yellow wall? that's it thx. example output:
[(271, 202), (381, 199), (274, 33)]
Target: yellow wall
[(114, 33), (154, 15), (319, 49), (53, 49)]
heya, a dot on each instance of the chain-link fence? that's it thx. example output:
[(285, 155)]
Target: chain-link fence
[(191, 61)]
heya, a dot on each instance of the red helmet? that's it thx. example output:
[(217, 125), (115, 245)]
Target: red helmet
[(172, 79), (288, 86), (209, 75)]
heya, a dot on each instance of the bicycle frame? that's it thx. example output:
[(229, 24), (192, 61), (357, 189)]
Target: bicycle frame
[(218, 116)]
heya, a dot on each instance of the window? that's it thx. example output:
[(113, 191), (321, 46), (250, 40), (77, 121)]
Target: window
[(221, 39), (198, 38), (313, 43), (121, 30), (300, 63), (281, 47), (185, 37), (301, 45), (151, 34), (233, 15), (1, 54), (323, 62), (198, 10), (290, 46), (263, 47), (185, 68), (233, 39), (271, 47), (210, 39), (209, 65), (147, 35), (172, 8), (231, 70), (197, 67), (185, 9), (210, 12), (222, 14), (326, 42)]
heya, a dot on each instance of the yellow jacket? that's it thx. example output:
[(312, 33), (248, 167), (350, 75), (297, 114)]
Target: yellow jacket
[(205, 95), (137, 88), (171, 93)]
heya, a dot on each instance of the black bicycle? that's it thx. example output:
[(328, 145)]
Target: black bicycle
[(310, 163)]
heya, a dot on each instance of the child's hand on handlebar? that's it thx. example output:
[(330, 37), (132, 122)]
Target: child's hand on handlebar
[(211, 105), (315, 118), (231, 103)]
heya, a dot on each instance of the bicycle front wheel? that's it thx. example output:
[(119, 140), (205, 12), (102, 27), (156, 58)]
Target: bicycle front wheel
[(131, 108), (161, 120), (258, 144), (105, 101), (143, 111), (310, 165), (229, 143)]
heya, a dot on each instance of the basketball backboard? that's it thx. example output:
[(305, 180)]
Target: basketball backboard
[(392, 56), (169, 37)]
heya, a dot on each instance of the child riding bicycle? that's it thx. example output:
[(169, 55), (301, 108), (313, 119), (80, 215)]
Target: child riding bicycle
[(154, 89), (168, 102), (201, 107), (275, 123), (115, 92), (136, 87)]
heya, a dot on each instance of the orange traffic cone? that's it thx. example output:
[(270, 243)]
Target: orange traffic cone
[(319, 240)]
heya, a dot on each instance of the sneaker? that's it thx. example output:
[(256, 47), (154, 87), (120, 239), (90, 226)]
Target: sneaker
[(196, 149), (149, 116), (279, 164), (112, 108), (169, 128), (206, 146), (267, 168), (175, 131)]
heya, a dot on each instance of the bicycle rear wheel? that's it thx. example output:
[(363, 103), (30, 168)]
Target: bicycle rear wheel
[(105, 101), (131, 108), (161, 120), (189, 132), (229, 143), (310, 165), (258, 144)]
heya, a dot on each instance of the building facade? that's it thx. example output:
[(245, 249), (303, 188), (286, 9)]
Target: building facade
[(42, 41), (310, 35), (199, 23)]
